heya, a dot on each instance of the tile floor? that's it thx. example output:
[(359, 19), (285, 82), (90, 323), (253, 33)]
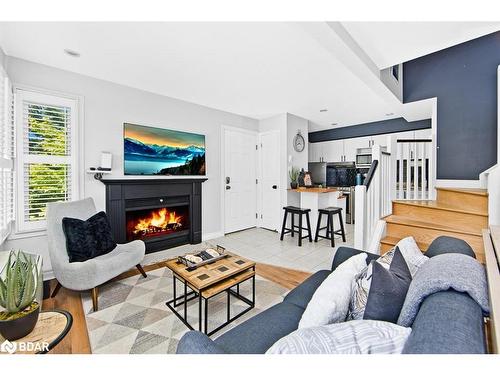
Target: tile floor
[(264, 246)]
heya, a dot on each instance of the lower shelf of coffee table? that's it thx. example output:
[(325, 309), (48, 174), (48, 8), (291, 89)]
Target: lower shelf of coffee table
[(228, 283)]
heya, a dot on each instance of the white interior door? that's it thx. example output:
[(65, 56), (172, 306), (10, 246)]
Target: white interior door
[(270, 180), (240, 189)]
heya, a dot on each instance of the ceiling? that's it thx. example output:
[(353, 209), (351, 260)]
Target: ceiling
[(391, 43), (252, 69)]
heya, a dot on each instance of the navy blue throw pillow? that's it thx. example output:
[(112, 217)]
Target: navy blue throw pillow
[(87, 239), (388, 290)]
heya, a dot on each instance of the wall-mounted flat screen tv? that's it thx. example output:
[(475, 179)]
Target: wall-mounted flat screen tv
[(163, 152)]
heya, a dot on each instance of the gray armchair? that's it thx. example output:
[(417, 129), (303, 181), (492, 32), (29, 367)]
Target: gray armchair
[(90, 274)]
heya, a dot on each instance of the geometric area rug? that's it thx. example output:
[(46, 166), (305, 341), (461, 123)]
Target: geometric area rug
[(133, 317)]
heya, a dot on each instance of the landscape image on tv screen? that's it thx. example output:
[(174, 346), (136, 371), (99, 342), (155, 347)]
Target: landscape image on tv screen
[(157, 151)]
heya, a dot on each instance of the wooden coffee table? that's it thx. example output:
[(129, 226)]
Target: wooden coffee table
[(209, 281)]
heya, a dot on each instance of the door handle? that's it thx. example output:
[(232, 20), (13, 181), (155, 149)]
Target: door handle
[(275, 187), (228, 180), (228, 187)]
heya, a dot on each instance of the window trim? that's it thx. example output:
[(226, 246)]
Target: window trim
[(25, 92), (7, 161)]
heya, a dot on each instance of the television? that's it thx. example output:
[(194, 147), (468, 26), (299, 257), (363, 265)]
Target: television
[(151, 151)]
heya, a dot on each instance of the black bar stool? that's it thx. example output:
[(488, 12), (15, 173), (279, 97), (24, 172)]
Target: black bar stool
[(330, 231), (296, 211)]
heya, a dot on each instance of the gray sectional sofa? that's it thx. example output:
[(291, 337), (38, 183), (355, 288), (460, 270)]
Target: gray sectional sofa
[(447, 322)]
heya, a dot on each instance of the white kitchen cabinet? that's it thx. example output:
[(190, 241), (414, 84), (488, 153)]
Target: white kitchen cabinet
[(405, 135), (317, 151), (313, 152), (351, 146), (380, 140), (346, 149), (333, 151), (423, 134), (311, 148)]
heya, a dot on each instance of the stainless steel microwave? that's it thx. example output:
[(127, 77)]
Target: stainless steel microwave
[(363, 157)]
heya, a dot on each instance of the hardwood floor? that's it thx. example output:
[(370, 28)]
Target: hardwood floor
[(77, 340), (285, 277)]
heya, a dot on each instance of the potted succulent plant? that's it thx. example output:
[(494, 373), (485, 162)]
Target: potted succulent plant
[(21, 286), (293, 174)]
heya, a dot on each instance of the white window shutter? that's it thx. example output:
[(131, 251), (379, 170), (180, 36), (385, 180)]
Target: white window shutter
[(46, 152), (6, 156)]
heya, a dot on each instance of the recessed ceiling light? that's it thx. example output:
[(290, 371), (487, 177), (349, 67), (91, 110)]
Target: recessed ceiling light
[(323, 110), (71, 52), (389, 114)]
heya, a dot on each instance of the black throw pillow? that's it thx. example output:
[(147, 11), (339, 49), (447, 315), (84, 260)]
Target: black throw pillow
[(388, 289), (87, 239)]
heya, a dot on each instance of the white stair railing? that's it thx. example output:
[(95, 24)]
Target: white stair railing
[(413, 178), (373, 202)]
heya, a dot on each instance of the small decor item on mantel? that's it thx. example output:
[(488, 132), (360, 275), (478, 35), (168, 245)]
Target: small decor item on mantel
[(21, 293), (195, 260), (294, 175)]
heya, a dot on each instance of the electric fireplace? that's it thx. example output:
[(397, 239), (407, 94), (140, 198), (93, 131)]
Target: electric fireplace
[(163, 213), (157, 222)]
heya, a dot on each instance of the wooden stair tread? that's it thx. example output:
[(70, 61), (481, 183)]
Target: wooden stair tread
[(439, 206), (389, 240), (403, 220), (482, 192)]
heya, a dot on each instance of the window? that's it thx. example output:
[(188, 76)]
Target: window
[(395, 72), (6, 156), (46, 155)]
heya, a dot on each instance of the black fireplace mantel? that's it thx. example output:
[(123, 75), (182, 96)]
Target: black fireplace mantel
[(121, 191)]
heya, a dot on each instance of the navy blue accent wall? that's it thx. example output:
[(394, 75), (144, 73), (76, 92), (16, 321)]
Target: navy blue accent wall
[(464, 80), (371, 128)]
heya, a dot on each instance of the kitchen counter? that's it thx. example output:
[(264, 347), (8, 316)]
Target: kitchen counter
[(315, 190), (316, 198)]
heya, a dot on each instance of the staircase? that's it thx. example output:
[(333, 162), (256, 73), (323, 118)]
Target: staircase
[(460, 213)]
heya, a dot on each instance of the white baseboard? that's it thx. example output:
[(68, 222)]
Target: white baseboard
[(211, 236), (472, 184)]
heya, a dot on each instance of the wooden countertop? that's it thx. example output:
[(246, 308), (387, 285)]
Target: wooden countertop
[(315, 190)]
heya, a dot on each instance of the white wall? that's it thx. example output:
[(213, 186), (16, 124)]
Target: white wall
[(107, 106), (296, 159), (294, 124), (2, 58), (388, 79), (279, 122), (288, 124)]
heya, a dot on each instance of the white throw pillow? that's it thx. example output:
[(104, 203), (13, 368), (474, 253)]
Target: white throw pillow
[(414, 259), (353, 337), (412, 254), (330, 302)]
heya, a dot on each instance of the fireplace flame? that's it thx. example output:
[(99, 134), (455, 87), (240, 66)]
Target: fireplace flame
[(159, 220)]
